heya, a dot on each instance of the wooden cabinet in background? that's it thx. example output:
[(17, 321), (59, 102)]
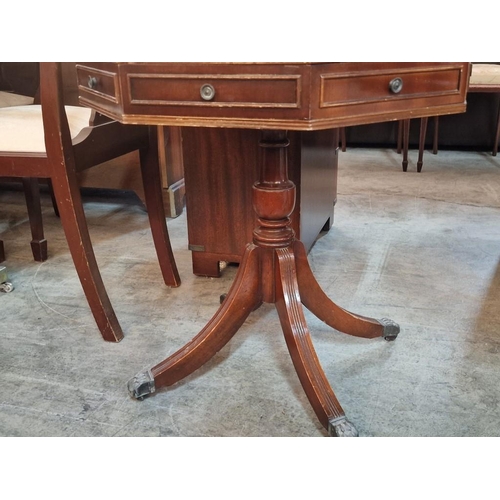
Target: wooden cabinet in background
[(220, 166), (124, 172)]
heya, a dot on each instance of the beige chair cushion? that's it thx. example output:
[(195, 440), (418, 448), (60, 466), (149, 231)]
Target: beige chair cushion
[(10, 99), (485, 74), (21, 127)]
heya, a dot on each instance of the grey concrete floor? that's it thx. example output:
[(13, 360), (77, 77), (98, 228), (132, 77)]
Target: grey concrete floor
[(422, 249)]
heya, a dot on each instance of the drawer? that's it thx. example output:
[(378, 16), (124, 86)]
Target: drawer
[(97, 83), (282, 96), (349, 93), (359, 88), (214, 90)]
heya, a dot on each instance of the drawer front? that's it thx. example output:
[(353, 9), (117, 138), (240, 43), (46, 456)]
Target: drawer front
[(385, 91), (213, 90), (97, 84), (214, 94), (288, 96), (341, 90)]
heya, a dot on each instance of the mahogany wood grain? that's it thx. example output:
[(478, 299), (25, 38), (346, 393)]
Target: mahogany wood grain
[(20, 77), (404, 137), (220, 167), (283, 97), (298, 340), (60, 164), (33, 204), (325, 95), (62, 172), (243, 297)]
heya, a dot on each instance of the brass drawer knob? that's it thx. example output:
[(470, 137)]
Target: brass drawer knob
[(92, 82), (396, 85), (207, 92)]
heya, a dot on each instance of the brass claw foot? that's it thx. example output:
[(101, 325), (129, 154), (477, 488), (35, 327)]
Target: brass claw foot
[(391, 329), (142, 385), (341, 427)]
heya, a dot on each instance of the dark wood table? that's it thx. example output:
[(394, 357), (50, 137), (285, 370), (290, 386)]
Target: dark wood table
[(274, 98)]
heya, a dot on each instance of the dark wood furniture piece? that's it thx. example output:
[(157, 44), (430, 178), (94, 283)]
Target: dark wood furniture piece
[(484, 78), (125, 172), (60, 149), (276, 98), (222, 164), (20, 77), (403, 141), (19, 84)]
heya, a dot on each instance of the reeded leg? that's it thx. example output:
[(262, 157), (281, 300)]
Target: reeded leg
[(156, 212), (311, 375), (315, 299), (275, 270), (242, 298)]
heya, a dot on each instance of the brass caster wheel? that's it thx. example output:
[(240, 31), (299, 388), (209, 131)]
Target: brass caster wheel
[(341, 427), (6, 287), (391, 329), (141, 385)]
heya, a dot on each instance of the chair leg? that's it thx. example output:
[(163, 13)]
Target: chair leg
[(52, 197), (2, 252), (38, 241), (436, 134), (69, 202), (400, 136), (151, 180), (497, 136), (406, 143), (342, 139), (421, 143)]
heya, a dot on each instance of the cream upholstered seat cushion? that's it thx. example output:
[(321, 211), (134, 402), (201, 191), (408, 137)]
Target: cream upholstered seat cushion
[(485, 74), (21, 127), (10, 99)]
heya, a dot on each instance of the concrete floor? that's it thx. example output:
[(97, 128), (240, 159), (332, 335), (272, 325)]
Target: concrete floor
[(422, 249)]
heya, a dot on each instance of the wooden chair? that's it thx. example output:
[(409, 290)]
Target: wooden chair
[(55, 142), (33, 204), (404, 136), (9, 97), (484, 77)]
